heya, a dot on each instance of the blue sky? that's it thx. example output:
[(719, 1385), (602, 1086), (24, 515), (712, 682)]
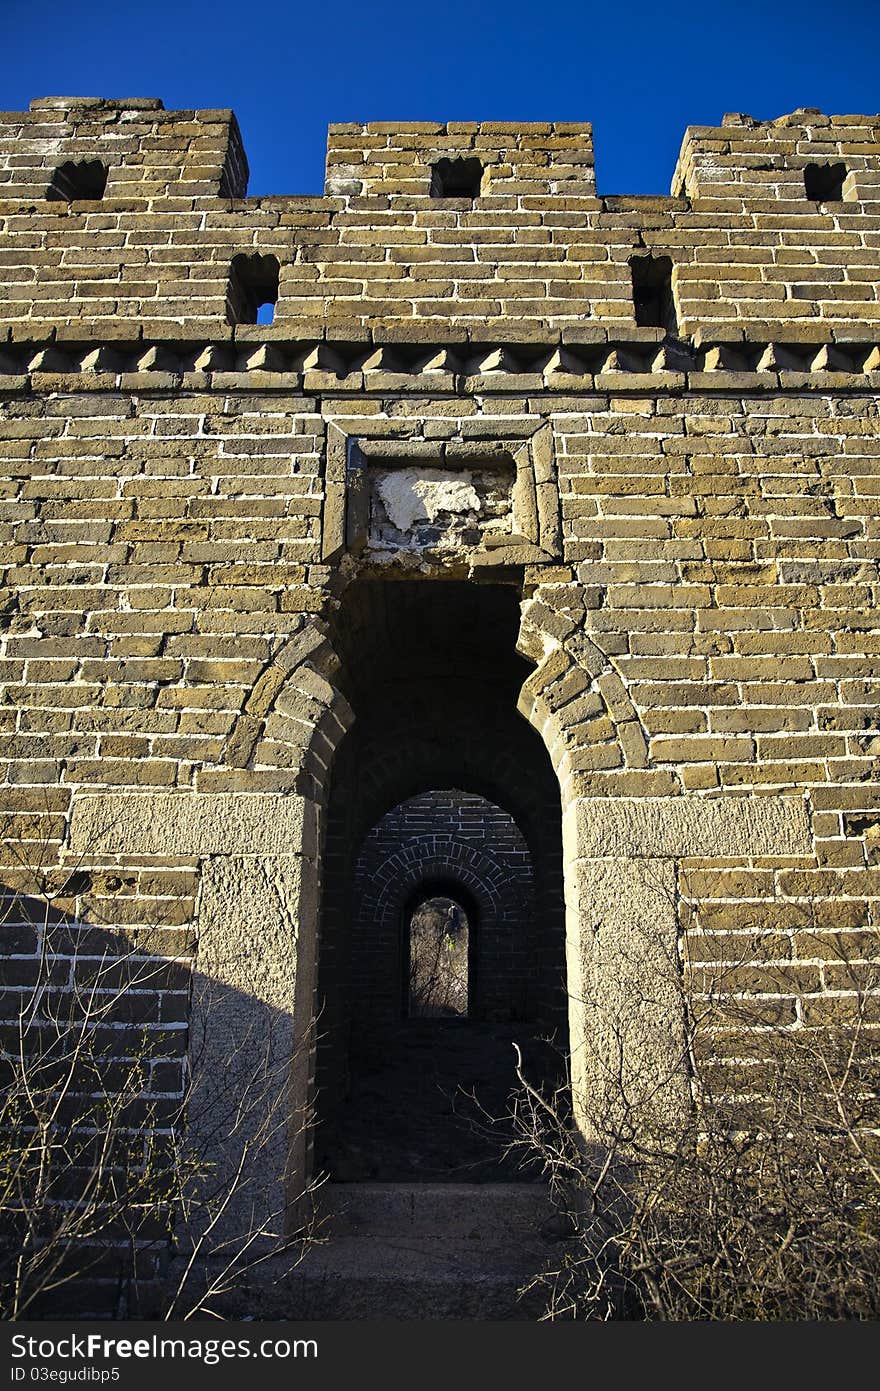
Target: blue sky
[(640, 71)]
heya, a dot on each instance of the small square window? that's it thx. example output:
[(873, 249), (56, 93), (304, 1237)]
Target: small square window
[(73, 183), (823, 183), (456, 178), (253, 289), (653, 302)]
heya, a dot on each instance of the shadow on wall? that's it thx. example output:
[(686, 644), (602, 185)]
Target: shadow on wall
[(140, 1173), (147, 1141)]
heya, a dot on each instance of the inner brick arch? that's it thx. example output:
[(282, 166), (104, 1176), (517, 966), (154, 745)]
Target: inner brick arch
[(465, 847)]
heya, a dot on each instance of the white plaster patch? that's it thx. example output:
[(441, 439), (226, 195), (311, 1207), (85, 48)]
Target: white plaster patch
[(410, 495)]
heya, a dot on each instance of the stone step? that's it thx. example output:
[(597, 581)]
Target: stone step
[(481, 1211), (416, 1251), (417, 1278), (402, 1278)]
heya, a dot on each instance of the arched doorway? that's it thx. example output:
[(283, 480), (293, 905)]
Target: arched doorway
[(439, 936), (440, 791)]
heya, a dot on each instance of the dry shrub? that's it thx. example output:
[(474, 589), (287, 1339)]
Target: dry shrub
[(112, 1199), (763, 1206)]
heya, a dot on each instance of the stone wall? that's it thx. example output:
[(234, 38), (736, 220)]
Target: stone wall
[(689, 517)]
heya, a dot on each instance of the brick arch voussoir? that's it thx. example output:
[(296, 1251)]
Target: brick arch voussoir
[(390, 902), (436, 856), (295, 716), (576, 698)]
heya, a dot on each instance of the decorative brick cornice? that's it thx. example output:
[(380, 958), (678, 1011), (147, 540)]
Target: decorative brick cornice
[(568, 362)]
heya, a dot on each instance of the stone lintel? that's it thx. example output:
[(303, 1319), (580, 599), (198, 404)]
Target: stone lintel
[(674, 827), (193, 824)]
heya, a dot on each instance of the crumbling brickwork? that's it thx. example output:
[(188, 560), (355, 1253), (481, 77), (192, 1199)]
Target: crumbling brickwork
[(674, 473)]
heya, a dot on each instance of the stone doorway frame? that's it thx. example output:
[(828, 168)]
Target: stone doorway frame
[(258, 919)]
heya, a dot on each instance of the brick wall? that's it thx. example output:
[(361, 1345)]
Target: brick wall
[(454, 840), (174, 491), (536, 250), (720, 547)]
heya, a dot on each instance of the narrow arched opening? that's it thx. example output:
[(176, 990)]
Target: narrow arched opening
[(439, 939)]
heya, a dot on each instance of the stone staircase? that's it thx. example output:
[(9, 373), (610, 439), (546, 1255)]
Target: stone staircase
[(421, 1251)]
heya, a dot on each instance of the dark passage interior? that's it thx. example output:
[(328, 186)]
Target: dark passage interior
[(442, 937)]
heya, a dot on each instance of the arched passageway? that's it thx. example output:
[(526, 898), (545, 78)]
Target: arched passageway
[(441, 794)]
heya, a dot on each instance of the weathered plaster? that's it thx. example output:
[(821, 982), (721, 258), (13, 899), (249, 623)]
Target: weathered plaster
[(409, 494)]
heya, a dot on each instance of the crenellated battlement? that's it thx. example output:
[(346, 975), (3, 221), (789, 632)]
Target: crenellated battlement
[(494, 159), (147, 153), (117, 215), (771, 160), (200, 152)]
